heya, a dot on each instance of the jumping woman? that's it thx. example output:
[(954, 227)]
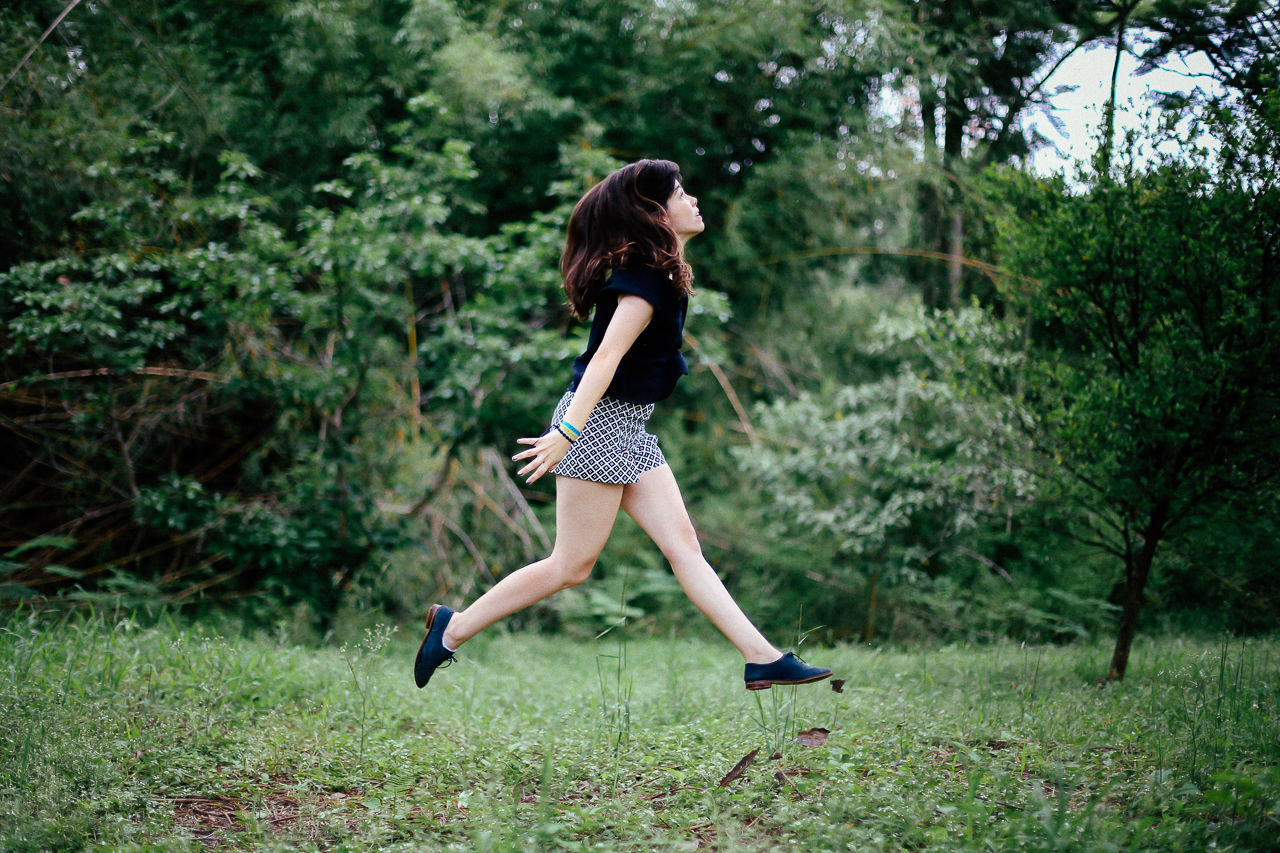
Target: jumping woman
[(624, 256)]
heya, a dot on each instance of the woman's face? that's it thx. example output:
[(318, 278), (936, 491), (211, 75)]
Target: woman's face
[(682, 214)]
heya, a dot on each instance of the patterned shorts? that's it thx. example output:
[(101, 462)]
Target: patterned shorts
[(614, 447)]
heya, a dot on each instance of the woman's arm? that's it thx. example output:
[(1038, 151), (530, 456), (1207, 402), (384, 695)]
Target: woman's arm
[(629, 320)]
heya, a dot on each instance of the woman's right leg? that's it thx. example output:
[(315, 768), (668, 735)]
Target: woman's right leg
[(585, 513), (657, 506)]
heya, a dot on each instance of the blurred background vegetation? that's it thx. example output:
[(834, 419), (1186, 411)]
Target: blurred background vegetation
[(278, 289)]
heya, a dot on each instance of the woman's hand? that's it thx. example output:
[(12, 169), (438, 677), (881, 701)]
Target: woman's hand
[(546, 453), (629, 319)]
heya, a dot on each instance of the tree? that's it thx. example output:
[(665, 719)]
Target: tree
[(978, 68), (296, 87), (1239, 38), (723, 88), (1154, 371)]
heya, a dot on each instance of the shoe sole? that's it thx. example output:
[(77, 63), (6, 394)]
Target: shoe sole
[(765, 685)]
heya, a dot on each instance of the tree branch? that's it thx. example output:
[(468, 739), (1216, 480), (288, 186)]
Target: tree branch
[(31, 52)]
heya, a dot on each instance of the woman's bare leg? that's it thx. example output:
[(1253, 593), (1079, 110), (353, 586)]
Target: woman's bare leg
[(657, 506), (585, 513)]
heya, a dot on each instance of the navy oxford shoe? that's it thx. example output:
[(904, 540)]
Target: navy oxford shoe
[(787, 669), (432, 653)]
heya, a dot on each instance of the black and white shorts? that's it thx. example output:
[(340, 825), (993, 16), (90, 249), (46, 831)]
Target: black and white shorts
[(614, 447)]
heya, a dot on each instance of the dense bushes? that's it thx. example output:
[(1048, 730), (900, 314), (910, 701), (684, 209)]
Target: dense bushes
[(295, 295)]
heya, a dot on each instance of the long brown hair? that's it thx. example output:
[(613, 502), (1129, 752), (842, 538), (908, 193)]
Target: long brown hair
[(622, 221)]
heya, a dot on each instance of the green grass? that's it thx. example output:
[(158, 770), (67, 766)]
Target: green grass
[(118, 736)]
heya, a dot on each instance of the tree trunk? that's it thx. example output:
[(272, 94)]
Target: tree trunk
[(929, 198), (1109, 111), (869, 627), (929, 121), (957, 116), (1136, 571), (955, 264)]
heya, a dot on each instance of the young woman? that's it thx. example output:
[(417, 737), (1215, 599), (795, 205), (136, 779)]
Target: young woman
[(624, 256)]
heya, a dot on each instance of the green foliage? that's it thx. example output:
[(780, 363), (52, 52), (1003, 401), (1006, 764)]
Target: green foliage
[(897, 477), (626, 594), (198, 378), (278, 290), (974, 70), (825, 213), (237, 398), (1225, 555), (723, 88)]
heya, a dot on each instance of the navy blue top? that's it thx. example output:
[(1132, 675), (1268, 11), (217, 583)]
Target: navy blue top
[(650, 369)]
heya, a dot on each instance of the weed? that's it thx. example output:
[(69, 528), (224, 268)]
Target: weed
[(778, 721), (360, 662), (617, 689)]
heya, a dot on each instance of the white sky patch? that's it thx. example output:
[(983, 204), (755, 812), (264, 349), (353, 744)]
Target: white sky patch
[(1080, 111)]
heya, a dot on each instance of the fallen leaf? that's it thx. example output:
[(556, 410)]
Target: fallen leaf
[(837, 684), (739, 768), (813, 737)]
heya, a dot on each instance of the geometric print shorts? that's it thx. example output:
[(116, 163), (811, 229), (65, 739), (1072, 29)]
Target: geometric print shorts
[(614, 447)]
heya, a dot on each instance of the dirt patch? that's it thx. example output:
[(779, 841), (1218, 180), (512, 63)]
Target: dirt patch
[(275, 811)]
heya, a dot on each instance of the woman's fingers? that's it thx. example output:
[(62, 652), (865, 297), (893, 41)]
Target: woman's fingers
[(546, 453), (539, 467), (525, 453)]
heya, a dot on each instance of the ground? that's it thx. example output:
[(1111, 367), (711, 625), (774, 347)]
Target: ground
[(119, 735)]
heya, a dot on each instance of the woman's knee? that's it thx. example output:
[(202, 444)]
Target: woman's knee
[(682, 543), (571, 571)]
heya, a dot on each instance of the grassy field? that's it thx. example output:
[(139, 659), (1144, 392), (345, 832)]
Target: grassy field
[(118, 736)]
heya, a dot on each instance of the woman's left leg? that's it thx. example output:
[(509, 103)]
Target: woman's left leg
[(584, 516), (655, 502)]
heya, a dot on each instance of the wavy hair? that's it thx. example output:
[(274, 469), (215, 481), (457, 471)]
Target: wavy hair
[(619, 222)]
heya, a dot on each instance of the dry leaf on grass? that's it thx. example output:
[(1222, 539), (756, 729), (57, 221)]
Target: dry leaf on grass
[(813, 737), (739, 768)]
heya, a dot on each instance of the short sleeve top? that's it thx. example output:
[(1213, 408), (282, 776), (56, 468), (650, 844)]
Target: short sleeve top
[(650, 369)]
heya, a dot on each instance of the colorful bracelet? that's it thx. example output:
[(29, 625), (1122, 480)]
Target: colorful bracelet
[(564, 434), (571, 430)]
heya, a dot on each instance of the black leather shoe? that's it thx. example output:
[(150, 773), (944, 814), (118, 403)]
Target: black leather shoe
[(432, 653), (787, 669)]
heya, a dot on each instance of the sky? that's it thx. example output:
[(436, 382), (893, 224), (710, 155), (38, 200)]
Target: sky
[(1081, 109)]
